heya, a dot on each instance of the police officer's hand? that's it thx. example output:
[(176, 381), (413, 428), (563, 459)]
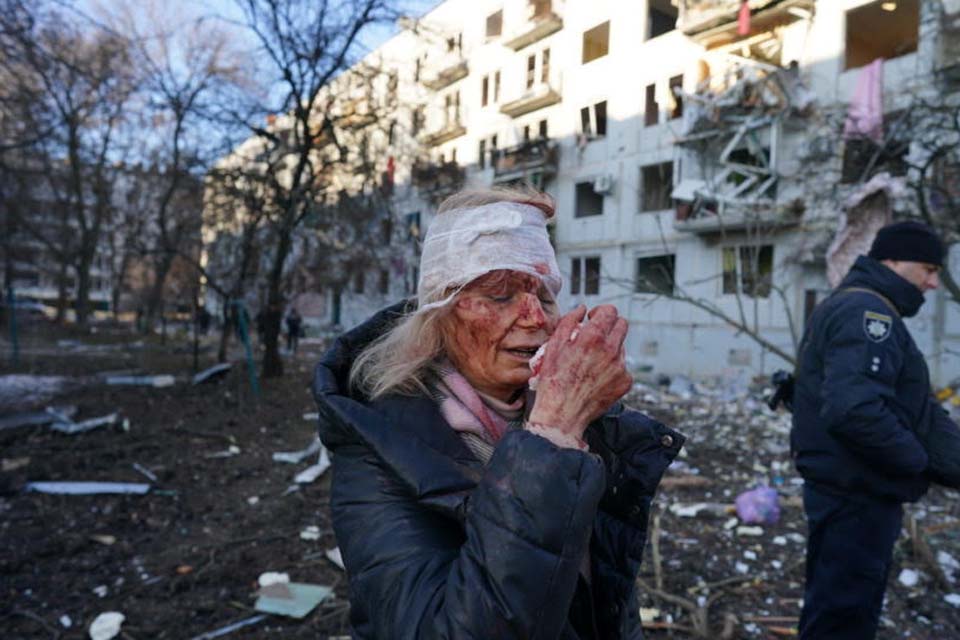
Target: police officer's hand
[(582, 371)]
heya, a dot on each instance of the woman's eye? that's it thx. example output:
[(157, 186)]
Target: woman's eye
[(501, 299)]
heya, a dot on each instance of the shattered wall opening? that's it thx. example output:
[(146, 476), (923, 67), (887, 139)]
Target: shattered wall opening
[(881, 30)]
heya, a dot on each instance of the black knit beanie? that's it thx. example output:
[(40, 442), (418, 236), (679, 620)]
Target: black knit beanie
[(909, 241)]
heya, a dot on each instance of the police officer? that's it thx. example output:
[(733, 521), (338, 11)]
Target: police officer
[(862, 397)]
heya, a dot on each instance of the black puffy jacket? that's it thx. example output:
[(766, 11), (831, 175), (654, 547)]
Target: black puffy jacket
[(862, 399), (438, 546)]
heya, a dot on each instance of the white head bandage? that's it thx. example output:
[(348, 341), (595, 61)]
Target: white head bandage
[(463, 244)]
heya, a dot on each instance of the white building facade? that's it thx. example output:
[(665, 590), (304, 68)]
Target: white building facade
[(697, 161)]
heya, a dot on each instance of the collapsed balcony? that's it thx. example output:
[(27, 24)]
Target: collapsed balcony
[(537, 97), (538, 28), (715, 22), (450, 131), (437, 180), (534, 157), (447, 75)]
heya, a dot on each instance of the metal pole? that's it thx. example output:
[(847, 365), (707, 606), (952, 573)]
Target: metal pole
[(245, 336), (14, 339)]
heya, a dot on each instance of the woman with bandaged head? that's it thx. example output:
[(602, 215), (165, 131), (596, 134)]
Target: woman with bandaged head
[(467, 504)]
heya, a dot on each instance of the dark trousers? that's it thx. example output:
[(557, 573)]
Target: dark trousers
[(849, 552)]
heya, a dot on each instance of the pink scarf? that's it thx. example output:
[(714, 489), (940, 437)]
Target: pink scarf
[(465, 410)]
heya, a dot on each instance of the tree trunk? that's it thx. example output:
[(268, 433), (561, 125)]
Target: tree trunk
[(62, 296), (272, 364), (155, 299), (83, 286)]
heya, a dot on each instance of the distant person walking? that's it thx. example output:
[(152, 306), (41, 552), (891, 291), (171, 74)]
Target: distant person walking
[(294, 327)]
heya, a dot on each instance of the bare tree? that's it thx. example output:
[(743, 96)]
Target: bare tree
[(307, 44)]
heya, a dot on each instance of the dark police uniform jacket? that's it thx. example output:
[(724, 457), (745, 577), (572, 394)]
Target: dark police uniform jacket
[(862, 396), (438, 546)]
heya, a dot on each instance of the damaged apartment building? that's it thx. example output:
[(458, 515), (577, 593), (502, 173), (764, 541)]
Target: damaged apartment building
[(717, 164)]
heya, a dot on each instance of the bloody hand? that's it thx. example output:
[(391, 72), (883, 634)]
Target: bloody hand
[(582, 371)]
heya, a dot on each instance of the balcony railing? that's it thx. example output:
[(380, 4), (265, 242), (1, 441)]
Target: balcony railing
[(447, 75), (437, 180), (451, 130), (530, 157), (708, 18), (537, 97), (536, 29)]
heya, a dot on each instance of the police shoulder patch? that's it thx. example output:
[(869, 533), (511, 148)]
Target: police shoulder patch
[(877, 326)]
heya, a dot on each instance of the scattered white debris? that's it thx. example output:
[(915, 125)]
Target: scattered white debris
[(268, 578), (295, 457), (87, 488), (796, 537), (232, 450), (909, 578), (311, 416), (65, 621), (952, 598), (334, 556), (648, 614), (731, 523), (106, 540), (230, 628), (313, 472), (779, 541), (749, 531), (776, 564), (71, 428), (101, 591), (741, 567), (949, 565), (158, 382), (214, 371), (12, 464), (106, 625), (253, 500), (139, 468), (310, 533), (750, 555)]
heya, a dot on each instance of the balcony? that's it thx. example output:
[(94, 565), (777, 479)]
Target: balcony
[(437, 180), (446, 76), (357, 114), (537, 29), (450, 131), (539, 96), (533, 157), (714, 22)]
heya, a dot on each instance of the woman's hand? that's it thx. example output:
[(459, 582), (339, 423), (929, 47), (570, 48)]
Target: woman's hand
[(582, 371)]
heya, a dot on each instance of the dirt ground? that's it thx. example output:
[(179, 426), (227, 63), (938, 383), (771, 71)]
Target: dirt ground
[(183, 560)]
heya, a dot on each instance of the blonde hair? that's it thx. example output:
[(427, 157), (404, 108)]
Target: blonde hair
[(402, 360)]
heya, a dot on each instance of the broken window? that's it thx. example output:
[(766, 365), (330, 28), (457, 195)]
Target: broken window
[(596, 42), (655, 274), (656, 185), (496, 87), (591, 279), (484, 90), (494, 24), (589, 202), (455, 43), (593, 120), (482, 154), (542, 129), (676, 94), (585, 271), (531, 70), (748, 270), (575, 276), (418, 121), (384, 281), (862, 158), (545, 66), (526, 133), (540, 9), (881, 29), (661, 18), (651, 110)]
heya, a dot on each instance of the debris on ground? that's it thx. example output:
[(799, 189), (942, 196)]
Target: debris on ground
[(313, 472), (21, 392), (106, 625), (157, 382), (230, 628), (759, 506), (37, 418), (334, 556), (87, 488), (296, 457), (71, 428), (216, 371), (293, 599)]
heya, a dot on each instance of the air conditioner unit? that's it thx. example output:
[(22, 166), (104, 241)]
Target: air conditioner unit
[(603, 185)]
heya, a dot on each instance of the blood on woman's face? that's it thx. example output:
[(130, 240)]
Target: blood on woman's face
[(497, 323)]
